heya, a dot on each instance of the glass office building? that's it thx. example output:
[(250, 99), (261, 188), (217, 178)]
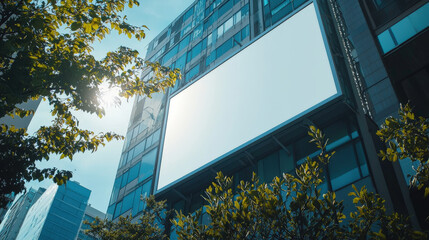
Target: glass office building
[(57, 214), (256, 74), (15, 216)]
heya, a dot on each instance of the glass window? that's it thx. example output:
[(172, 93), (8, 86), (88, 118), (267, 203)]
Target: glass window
[(181, 62), (343, 167), (124, 179), (222, 49), (420, 18), (209, 39), (269, 167), (198, 32), (184, 43), (188, 14), (123, 159), (134, 172), (244, 32), (135, 132), (195, 51), (244, 10), (237, 39), (297, 3), (199, 10), (210, 58), (194, 71), (386, 41), (115, 191), (237, 17), (286, 161), (145, 192), (149, 141), (130, 155), (187, 28), (117, 210), (147, 165), (170, 54), (403, 30), (220, 31), (127, 202), (156, 136), (224, 8), (137, 200), (142, 127), (110, 210), (139, 148), (228, 24), (362, 159)]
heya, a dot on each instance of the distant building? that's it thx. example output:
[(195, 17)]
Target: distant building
[(15, 216), (25, 121), (57, 214), (10, 198), (90, 215)]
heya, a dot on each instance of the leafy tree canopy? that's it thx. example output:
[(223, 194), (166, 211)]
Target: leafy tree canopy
[(45, 52), (290, 207), (408, 138)]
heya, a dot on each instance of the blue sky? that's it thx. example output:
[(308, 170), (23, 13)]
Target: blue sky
[(96, 171)]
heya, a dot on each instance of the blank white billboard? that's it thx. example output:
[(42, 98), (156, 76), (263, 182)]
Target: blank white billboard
[(278, 77)]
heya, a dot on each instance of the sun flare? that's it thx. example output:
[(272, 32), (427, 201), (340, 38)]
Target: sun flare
[(109, 96)]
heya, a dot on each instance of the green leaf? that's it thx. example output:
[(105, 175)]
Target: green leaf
[(75, 26)]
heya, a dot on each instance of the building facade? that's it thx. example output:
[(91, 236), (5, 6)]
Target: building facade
[(217, 43), (15, 216), (57, 214), (90, 215)]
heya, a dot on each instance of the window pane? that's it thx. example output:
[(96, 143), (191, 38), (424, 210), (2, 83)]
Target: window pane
[(117, 210), (343, 167), (210, 58), (403, 30), (188, 14), (386, 41), (181, 62), (228, 24), (198, 31), (137, 200), (184, 43), (134, 172), (170, 54), (130, 155), (145, 192), (286, 161), (420, 18), (139, 148), (127, 202), (220, 31), (116, 187), (194, 71), (237, 17), (156, 136), (269, 167), (362, 159), (149, 141), (222, 49), (224, 8), (124, 179), (147, 165), (244, 32)]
